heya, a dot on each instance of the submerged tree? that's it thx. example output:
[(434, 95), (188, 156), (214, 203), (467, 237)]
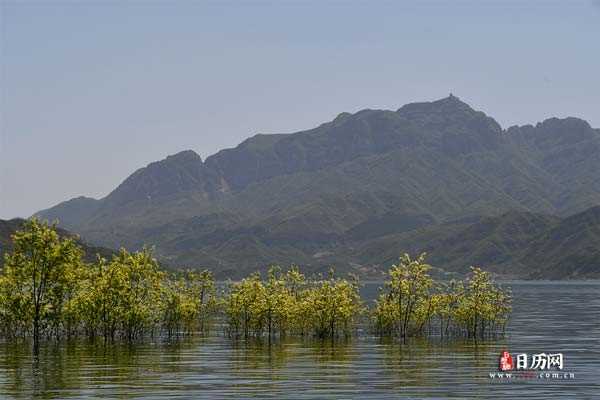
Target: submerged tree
[(189, 302), (47, 290), (411, 301), (37, 278), (484, 307), (332, 306), (131, 297), (128, 290), (287, 303), (407, 304)]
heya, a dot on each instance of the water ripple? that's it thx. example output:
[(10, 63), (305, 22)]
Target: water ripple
[(547, 317)]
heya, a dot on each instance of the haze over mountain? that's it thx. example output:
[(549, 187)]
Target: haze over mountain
[(360, 189)]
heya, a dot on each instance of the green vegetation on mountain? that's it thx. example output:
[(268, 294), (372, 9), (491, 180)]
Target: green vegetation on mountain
[(512, 245), (570, 248), (352, 191)]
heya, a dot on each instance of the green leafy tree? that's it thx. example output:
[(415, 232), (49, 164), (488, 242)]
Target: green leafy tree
[(484, 306), (287, 303), (190, 301), (37, 276), (411, 301), (407, 303)]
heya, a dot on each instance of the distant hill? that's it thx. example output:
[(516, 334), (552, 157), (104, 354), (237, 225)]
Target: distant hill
[(354, 191), (9, 227), (570, 249), (512, 245)]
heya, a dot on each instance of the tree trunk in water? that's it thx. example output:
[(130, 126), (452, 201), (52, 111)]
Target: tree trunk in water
[(36, 332)]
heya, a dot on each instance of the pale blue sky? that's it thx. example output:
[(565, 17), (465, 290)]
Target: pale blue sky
[(91, 91)]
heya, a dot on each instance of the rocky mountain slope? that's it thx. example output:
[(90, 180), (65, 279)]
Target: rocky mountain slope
[(328, 194)]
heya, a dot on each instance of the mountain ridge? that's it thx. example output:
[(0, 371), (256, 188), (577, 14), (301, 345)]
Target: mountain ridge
[(190, 154), (358, 176)]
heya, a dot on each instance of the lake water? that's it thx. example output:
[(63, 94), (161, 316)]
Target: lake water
[(548, 317)]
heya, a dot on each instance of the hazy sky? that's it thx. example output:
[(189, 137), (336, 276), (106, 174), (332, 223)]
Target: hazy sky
[(92, 91)]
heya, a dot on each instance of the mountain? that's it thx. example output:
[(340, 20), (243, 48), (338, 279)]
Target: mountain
[(570, 249), (494, 242), (326, 195), (9, 227), (514, 245)]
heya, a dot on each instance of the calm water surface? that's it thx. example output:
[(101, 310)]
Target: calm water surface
[(547, 317)]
